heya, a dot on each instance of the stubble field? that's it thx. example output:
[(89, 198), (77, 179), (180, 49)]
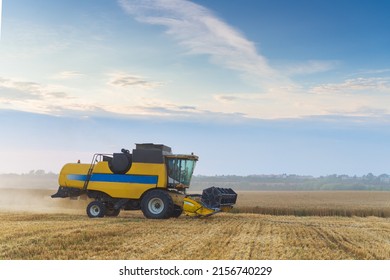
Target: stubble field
[(37, 227)]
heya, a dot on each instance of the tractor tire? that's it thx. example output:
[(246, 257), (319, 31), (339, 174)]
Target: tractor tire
[(96, 209), (177, 211), (157, 204), (112, 212)]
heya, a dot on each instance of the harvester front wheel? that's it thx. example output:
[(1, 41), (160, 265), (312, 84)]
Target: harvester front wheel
[(96, 209), (177, 211), (157, 204)]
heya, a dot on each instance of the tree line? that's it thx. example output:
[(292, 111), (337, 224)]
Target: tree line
[(293, 182)]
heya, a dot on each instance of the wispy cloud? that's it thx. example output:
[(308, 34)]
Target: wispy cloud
[(123, 80), (376, 72), (65, 75), (310, 67), (31, 96), (377, 84), (12, 90), (225, 98), (199, 31), (56, 100), (363, 111), (173, 111)]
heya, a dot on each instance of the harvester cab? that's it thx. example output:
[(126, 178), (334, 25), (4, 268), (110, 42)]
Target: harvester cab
[(151, 179)]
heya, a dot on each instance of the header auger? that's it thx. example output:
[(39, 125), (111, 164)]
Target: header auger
[(151, 179)]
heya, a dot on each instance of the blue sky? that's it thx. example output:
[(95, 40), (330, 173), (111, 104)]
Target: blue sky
[(251, 86)]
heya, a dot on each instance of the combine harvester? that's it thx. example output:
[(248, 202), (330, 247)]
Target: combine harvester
[(151, 179)]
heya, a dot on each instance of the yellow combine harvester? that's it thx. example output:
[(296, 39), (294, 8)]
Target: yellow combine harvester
[(151, 179)]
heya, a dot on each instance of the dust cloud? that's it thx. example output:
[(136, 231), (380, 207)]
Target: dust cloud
[(38, 201)]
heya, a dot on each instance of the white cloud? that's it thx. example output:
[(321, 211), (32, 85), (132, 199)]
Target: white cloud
[(65, 75), (367, 85), (364, 111), (199, 31), (57, 100), (371, 72), (31, 96), (173, 111), (13, 90)]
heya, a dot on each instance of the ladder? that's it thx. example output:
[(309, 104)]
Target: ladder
[(90, 171)]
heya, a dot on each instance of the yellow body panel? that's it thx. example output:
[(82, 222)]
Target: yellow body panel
[(158, 169), (72, 168), (121, 190), (145, 176)]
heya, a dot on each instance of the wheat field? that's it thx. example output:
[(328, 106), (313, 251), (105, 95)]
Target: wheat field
[(223, 236), (33, 226), (315, 203)]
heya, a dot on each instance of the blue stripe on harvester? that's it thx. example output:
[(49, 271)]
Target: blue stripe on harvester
[(116, 178)]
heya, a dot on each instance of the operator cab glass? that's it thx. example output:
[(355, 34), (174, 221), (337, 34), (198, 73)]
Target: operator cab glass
[(180, 169)]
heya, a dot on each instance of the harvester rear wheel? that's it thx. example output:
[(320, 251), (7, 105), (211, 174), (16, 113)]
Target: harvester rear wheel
[(157, 204), (96, 209)]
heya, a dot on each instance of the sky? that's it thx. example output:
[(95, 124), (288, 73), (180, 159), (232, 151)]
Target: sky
[(250, 86)]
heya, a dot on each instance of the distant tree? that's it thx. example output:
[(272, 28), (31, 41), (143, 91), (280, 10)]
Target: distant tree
[(40, 172), (370, 177)]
